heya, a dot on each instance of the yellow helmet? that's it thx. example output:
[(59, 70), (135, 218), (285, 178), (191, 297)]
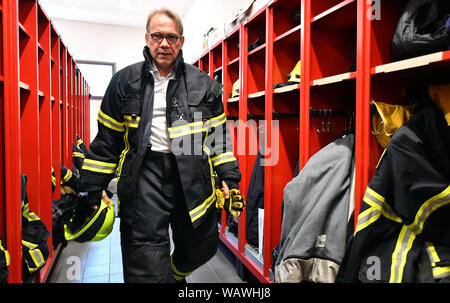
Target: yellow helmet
[(235, 92), (294, 75), (96, 227)]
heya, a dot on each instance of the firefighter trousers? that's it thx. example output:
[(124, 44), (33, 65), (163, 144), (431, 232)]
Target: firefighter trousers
[(145, 242)]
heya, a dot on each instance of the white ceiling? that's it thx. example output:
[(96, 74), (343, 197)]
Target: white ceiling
[(119, 12)]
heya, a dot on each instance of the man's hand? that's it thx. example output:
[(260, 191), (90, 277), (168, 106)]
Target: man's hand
[(230, 200), (95, 197)]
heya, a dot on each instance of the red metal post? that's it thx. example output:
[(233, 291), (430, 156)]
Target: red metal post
[(12, 138), (362, 125), (64, 106), (242, 137), (270, 235), (305, 55), (29, 101), (88, 118), (56, 112), (45, 124)]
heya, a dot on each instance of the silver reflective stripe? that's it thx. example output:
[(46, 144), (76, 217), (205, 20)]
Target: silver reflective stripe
[(200, 210), (110, 122), (223, 158), (427, 208), (37, 257), (366, 218), (98, 166), (385, 209), (402, 248)]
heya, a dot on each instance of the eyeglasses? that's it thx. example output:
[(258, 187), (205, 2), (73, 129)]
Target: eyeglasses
[(158, 37)]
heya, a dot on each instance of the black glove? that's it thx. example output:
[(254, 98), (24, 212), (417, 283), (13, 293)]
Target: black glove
[(94, 198)]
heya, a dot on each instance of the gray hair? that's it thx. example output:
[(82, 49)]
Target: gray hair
[(172, 15)]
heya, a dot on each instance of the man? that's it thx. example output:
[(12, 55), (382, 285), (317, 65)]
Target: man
[(162, 127)]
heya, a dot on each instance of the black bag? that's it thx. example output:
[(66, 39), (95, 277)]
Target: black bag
[(421, 29)]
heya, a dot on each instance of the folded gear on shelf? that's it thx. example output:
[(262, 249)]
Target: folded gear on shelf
[(4, 262), (35, 250), (421, 29)]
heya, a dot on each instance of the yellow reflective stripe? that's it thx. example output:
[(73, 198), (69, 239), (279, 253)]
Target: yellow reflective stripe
[(441, 272), (216, 121), (377, 201), (427, 208), (110, 122), (403, 246), (196, 127), (200, 210), (98, 166), (134, 123), (67, 176), (438, 271), (78, 155), (29, 244), (31, 216), (223, 158), (79, 142), (35, 254), (124, 152), (382, 155), (431, 250), (7, 257), (178, 274)]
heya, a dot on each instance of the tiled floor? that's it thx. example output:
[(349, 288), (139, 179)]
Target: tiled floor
[(101, 262)]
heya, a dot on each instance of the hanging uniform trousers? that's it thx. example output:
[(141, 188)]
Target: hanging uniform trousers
[(255, 200), (406, 206), (155, 189)]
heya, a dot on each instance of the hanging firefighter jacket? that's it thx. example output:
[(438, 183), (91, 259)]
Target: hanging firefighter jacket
[(63, 209), (77, 158), (315, 215), (440, 94), (255, 200), (197, 129), (421, 29), (4, 262), (34, 235), (81, 145), (406, 205)]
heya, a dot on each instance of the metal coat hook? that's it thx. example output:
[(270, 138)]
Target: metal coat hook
[(317, 129)]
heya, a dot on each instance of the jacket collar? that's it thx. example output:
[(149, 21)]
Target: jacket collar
[(178, 66)]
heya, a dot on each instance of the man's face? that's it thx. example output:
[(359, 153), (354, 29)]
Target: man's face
[(163, 53)]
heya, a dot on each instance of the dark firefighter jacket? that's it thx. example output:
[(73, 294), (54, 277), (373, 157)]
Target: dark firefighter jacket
[(406, 206), (197, 128)]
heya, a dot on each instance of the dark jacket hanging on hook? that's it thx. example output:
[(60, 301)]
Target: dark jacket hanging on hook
[(406, 205)]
